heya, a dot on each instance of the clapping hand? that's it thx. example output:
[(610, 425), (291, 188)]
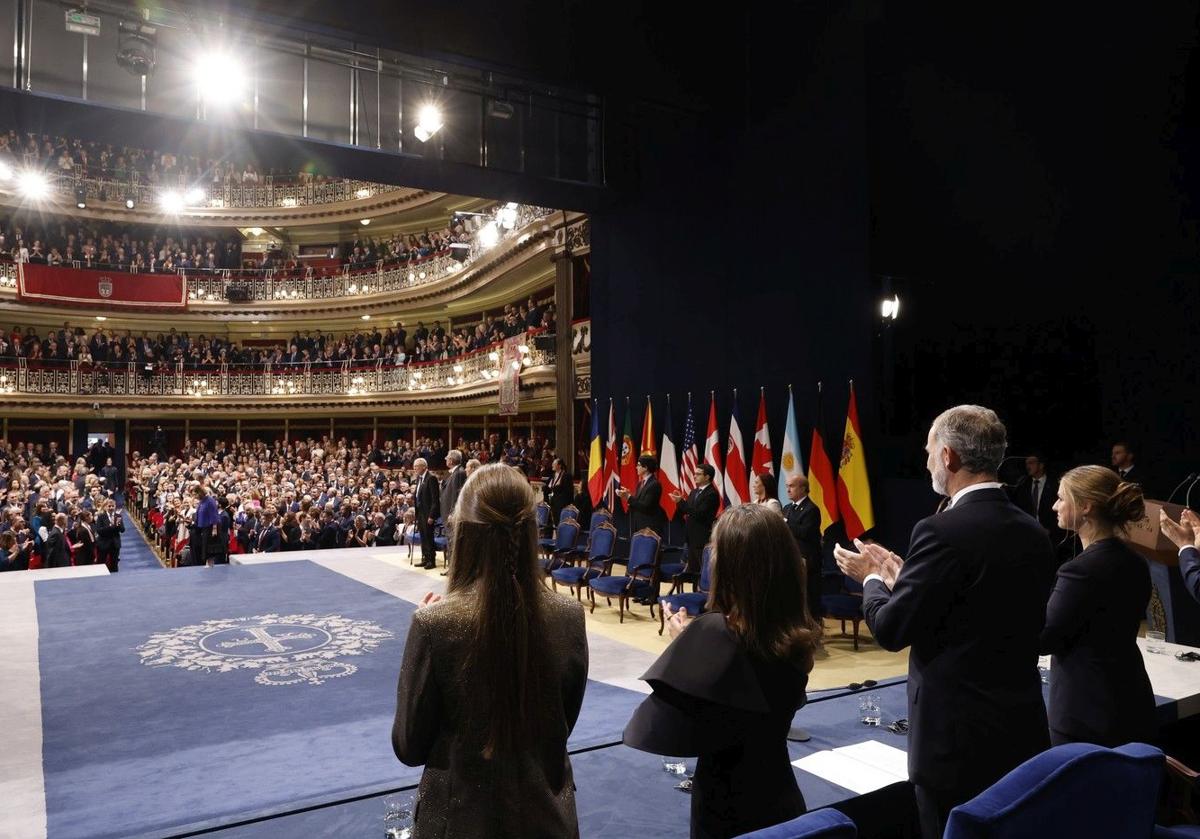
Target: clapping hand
[(675, 496), (677, 620), (428, 600), (1185, 532), (623, 492), (869, 559)]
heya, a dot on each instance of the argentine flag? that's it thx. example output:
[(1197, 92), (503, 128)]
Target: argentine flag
[(790, 462)]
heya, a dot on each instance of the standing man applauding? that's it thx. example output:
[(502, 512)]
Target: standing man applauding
[(208, 518), (700, 511), (428, 506), (971, 601)]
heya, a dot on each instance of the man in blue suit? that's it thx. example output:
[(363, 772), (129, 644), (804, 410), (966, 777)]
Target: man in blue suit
[(1186, 535)]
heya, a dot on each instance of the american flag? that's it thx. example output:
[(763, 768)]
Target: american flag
[(687, 468)]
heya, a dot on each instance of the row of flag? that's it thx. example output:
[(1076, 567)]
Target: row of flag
[(842, 495)]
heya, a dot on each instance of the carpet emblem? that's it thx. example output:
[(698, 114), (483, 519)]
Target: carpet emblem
[(285, 649)]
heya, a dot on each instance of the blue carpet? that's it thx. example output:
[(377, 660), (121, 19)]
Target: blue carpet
[(131, 749), (136, 555)]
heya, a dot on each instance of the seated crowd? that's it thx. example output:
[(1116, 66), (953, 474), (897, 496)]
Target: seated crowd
[(124, 163), (392, 345), (305, 494)]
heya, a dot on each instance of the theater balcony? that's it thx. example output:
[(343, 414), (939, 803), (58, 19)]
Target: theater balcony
[(474, 383)]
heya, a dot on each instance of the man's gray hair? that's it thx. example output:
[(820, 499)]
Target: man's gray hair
[(975, 434), (453, 457), (421, 461)]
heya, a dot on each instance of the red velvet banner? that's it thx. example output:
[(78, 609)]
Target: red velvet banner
[(108, 289)]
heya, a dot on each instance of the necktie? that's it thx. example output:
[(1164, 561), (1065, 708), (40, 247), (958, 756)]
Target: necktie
[(1037, 492), (1123, 473)]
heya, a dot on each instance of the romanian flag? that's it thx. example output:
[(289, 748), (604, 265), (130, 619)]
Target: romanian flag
[(648, 445), (595, 479), (628, 466), (821, 487), (853, 488)]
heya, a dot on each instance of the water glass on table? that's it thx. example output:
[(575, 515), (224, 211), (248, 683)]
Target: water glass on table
[(868, 710), (397, 817), (1156, 642)]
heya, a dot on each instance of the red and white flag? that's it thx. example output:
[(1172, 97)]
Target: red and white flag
[(712, 451), (737, 482), (668, 467), (611, 476), (762, 462)]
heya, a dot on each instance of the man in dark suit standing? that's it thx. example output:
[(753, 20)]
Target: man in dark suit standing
[(559, 490), (700, 512), (110, 524), (427, 502), (804, 520), (645, 504), (1123, 456), (451, 487), (54, 548), (970, 601), (1036, 493)]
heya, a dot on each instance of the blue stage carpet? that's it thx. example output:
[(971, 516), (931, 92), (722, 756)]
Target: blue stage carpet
[(290, 709), (136, 555)]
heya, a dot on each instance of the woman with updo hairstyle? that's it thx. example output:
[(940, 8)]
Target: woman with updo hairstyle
[(493, 678), (1099, 690), (726, 689)]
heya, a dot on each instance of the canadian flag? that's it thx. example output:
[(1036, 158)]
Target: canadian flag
[(737, 483), (712, 452), (762, 462)]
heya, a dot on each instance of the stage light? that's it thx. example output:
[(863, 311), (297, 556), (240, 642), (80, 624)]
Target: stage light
[(288, 202), (194, 195), (516, 365), (33, 185), (254, 231), (220, 78), (362, 193), (890, 309), (523, 350), (489, 235), (101, 318), (507, 217), (429, 122), (458, 368), (81, 197), (136, 47), (364, 222), (130, 203), (366, 317), (493, 356), (171, 201), (6, 171)]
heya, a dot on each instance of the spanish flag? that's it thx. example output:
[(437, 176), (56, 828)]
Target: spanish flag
[(596, 461), (648, 445), (853, 488), (821, 487)]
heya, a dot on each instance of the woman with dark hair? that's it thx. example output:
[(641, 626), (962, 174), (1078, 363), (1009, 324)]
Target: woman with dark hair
[(764, 490), (493, 678), (1099, 690), (726, 689)]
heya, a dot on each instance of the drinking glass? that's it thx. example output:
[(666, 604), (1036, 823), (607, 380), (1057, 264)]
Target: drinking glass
[(1155, 642), (397, 817), (868, 710), (674, 766)]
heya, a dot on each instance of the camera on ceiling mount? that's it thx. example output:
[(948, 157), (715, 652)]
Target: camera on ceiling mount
[(137, 47)]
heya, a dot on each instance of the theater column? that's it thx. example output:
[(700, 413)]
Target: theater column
[(564, 367)]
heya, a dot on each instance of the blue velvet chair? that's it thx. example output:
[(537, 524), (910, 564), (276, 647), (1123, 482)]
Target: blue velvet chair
[(819, 824), (564, 545), (545, 536), (1181, 803), (601, 542), (1075, 790), (569, 513), (598, 518), (690, 601), (1179, 831), (845, 606), (640, 569)]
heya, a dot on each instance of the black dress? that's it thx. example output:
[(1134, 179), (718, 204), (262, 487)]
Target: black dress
[(1099, 690), (713, 701)]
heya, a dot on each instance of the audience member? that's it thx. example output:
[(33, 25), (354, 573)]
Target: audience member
[(763, 490), (699, 510), (1186, 535), (493, 678), (804, 521), (727, 688)]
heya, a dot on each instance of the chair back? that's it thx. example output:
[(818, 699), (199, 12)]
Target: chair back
[(600, 517), (568, 532), (1075, 790), (601, 541), (706, 568), (819, 824), (543, 515), (569, 513), (643, 550)]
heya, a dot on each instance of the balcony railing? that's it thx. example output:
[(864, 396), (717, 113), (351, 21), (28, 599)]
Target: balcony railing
[(269, 192), (340, 378)]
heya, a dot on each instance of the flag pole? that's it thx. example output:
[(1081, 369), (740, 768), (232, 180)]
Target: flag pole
[(668, 432)]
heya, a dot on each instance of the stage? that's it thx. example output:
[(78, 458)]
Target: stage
[(256, 699)]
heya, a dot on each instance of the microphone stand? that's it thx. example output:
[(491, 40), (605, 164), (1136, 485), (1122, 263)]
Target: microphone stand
[(1191, 477), (1187, 502)]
